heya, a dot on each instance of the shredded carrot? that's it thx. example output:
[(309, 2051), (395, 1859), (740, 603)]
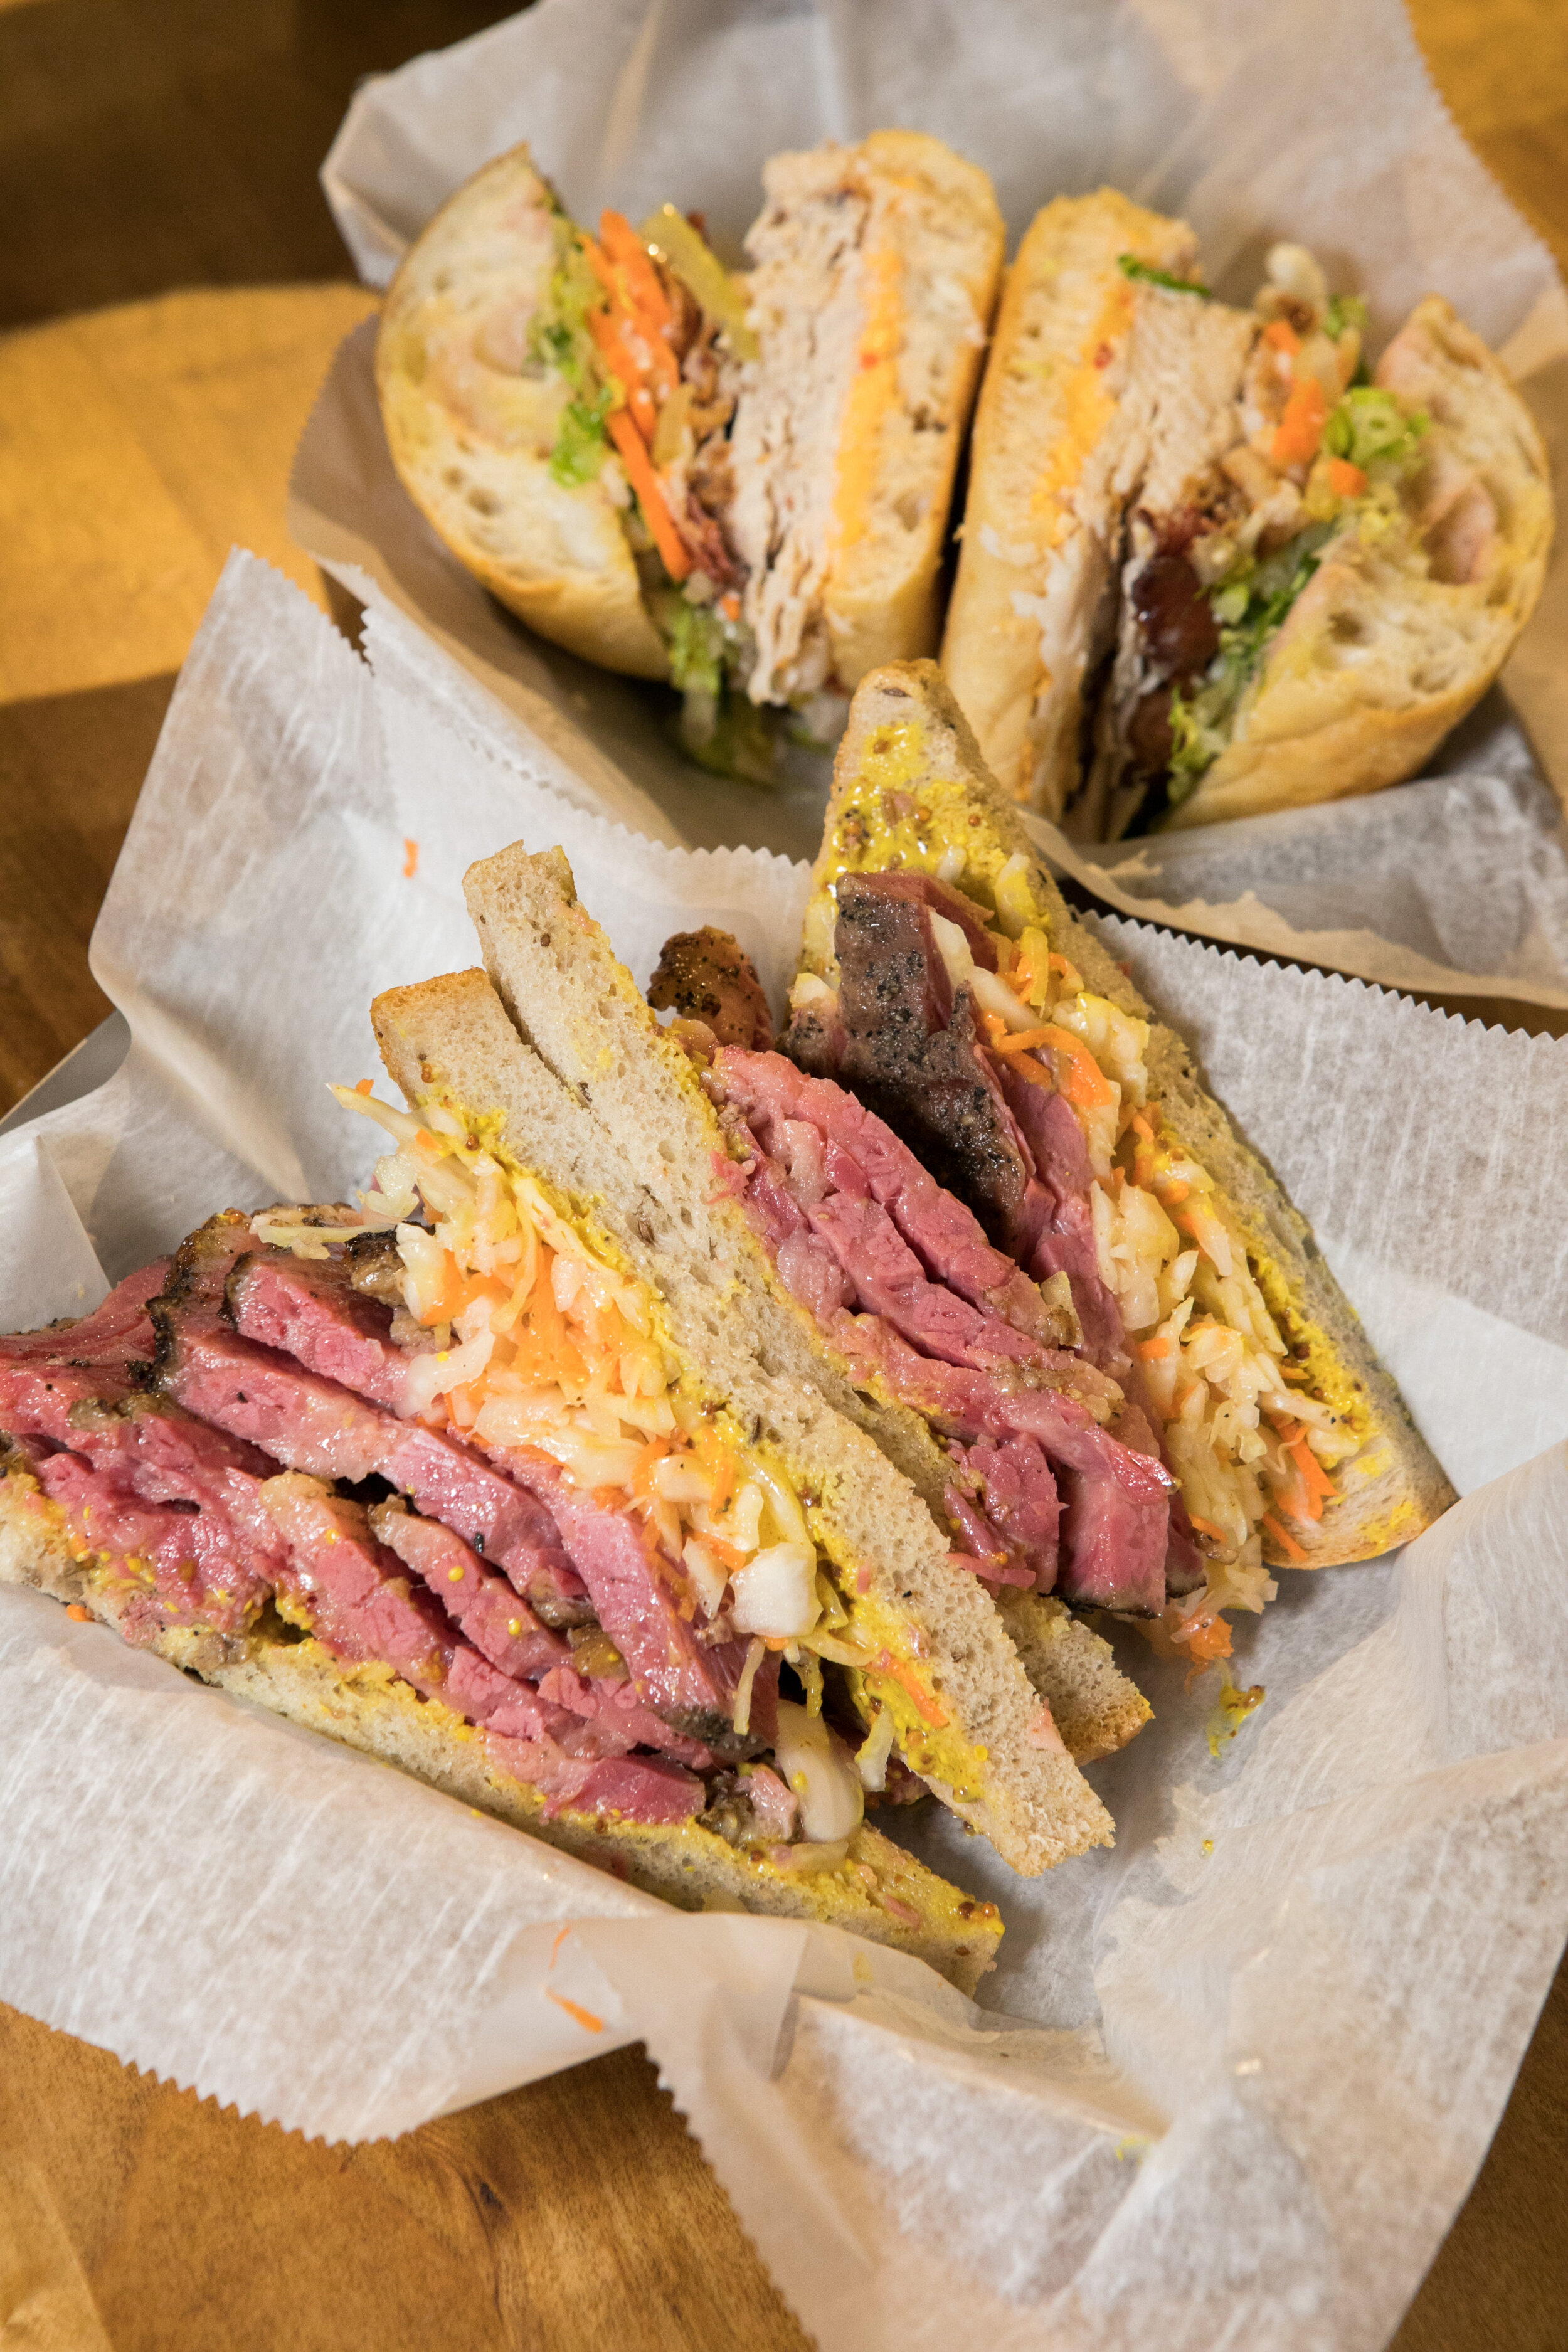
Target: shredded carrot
[(1301, 429), (623, 244), (1153, 1349), (574, 2010), (1141, 1127), (1173, 1194), (1087, 1088), (729, 606), (926, 1705), (410, 858), (1207, 1527), (605, 330), (650, 495), (365, 1087), (83, 1616), (1018, 1041), (1286, 1543), (1281, 336), (1209, 1639), (1345, 480)]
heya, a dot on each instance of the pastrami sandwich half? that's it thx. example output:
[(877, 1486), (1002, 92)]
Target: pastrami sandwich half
[(1206, 1407), (739, 484), (276, 1462), (1211, 567), (602, 1113)]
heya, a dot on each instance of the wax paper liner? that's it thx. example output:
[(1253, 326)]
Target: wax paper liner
[(1230, 2080)]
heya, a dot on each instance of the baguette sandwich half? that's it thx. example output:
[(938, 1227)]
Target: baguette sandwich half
[(1209, 567), (1208, 1407), (738, 484)]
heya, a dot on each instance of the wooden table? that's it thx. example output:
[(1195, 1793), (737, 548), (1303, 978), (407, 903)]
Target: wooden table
[(145, 146)]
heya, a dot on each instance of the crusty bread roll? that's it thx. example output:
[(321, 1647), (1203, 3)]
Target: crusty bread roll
[(815, 495), (1129, 424), (470, 421), (1033, 604)]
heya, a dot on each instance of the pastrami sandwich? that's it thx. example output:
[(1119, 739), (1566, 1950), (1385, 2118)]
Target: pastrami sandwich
[(1150, 1388), (257, 1461), (1209, 566), (739, 484)]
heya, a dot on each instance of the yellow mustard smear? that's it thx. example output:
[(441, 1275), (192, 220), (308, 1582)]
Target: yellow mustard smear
[(872, 392)]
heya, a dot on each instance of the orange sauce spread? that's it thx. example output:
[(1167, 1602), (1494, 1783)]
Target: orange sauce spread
[(872, 393)]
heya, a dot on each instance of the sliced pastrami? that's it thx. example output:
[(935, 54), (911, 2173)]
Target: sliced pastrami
[(637, 1598), (1056, 1231), (314, 1425), (1115, 1527), (920, 889), (860, 1155), (889, 1279), (912, 1049), (314, 1309), (1021, 1500), (176, 1565), (117, 1333), (647, 1789), (497, 1620)]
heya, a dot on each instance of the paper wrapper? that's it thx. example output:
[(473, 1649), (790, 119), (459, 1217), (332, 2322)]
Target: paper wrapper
[(1232, 2079), (1318, 123)]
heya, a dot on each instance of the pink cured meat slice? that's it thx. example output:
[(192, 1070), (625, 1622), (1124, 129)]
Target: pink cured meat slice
[(363, 1607), (690, 1684), (313, 1425), (202, 1572), (115, 1332), (497, 1620), (1116, 1523), (647, 1789), (312, 1312), (863, 1157), (889, 1279), (310, 1309)]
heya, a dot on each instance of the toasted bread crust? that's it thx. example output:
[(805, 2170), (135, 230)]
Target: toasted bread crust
[(472, 444), (369, 1709), (1032, 476)]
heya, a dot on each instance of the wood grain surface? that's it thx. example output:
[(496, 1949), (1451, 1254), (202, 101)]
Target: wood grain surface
[(148, 148)]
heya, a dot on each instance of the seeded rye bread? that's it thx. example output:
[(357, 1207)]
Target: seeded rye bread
[(1394, 1487), (635, 1158), (368, 1708)]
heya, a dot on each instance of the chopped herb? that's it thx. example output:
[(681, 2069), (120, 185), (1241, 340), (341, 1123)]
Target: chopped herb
[(1369, 426), (1142, 273), (579, 450), (1250, 607), (1344, 311), (696, 644), (558, 331)]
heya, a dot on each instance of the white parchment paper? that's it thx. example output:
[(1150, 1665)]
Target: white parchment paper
[(1258, 120), (1228, 2095)]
